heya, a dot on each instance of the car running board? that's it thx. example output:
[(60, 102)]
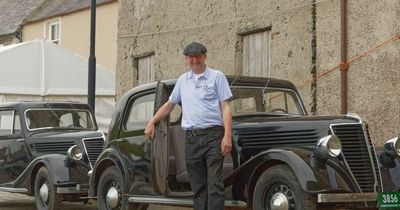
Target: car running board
[(177, 201), (13, 190)]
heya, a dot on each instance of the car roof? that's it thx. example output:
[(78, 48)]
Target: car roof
[(233, 80)]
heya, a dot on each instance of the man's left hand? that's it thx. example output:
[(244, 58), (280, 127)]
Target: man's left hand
[(226, 145)]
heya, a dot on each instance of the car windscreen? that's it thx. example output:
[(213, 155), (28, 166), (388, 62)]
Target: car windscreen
[(247, 100), (59, 119)]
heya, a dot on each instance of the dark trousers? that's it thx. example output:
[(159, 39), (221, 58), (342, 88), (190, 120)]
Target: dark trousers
[(204, 162)]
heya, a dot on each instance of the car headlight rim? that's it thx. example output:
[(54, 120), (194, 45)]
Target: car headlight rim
[(392, 146), (75, 152), (329, 146)]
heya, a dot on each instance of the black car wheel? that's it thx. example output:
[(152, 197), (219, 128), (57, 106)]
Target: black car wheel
[(278, 189), (46, 196), (110, 190)]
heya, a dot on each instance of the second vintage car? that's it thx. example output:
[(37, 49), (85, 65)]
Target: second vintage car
[(282, 159), (47, 150)]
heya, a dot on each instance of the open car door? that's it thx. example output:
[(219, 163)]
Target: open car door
[(160, 144)]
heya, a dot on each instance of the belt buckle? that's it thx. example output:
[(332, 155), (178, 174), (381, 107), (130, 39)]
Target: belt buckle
[(193, 132)]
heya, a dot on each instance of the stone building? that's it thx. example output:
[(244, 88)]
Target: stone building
[(296, 40)]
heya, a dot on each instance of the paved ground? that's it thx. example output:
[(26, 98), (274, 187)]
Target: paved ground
[(14, 201)]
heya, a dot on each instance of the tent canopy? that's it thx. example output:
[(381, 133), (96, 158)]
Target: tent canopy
[(40, 70)]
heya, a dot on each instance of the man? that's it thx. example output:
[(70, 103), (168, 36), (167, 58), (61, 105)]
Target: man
[(204, 94)]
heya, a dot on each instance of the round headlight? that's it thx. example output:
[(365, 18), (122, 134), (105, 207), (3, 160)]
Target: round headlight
[(334, 146), (329, 146), (75, 152), (392, 146)]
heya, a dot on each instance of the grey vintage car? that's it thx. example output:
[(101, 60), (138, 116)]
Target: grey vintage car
[(47, 150)]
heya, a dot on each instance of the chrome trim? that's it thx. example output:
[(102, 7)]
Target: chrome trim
[(69, 153), (176, 201), (346, 197), (70, 190), (279, 201), (376, 158), (13, 190), (355, 116), (35, 129), (84, 146), (344, 158), (390, 147), (370, 157), (112, 197), (369, 152), (13, 121), (322, 148), (90, 173)]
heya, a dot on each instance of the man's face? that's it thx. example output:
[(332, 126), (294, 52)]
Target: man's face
[(196, 62)]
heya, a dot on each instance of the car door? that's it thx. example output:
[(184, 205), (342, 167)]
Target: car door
[(160, 144), (131, 142), (14, 157)]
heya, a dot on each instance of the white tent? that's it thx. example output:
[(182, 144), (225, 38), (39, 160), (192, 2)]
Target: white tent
[(42, 71)]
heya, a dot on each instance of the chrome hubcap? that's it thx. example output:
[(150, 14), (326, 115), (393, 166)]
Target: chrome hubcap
[(44, 192), (279, 202), (112, 197)]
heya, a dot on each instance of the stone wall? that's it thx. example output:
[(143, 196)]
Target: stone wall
[(166, 27), (373, 90)]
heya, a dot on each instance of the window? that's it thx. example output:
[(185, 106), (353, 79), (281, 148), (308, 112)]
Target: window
[(58, 119), (256, 54), (140, 113), (53, 31), (145, 67), (9, 123), (260, 100)]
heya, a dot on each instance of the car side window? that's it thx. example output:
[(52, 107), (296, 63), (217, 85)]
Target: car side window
[(140, 112), (9, 123)]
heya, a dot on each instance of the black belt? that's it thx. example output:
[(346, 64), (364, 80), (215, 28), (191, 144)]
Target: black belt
[(203, 131)]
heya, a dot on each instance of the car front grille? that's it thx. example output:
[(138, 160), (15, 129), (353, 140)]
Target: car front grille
[(359, 154), (93, 148), (59, 147), (262, 139), (252, 141)]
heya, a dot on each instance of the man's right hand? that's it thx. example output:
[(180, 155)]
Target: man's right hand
[(149, 131)]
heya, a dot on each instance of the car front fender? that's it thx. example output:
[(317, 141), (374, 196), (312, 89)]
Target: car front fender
[(313, 174), (109, 157), (60, 171)]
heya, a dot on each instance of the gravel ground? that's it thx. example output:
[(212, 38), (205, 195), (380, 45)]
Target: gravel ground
[(15, 201)]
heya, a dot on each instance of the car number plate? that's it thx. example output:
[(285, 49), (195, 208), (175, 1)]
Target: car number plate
[(389, 200)]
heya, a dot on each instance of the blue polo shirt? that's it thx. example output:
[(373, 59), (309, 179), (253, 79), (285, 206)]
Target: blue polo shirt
[(201, 99)]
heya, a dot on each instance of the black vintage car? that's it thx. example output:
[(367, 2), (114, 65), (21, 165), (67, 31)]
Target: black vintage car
[(47, 150), (282, 158)]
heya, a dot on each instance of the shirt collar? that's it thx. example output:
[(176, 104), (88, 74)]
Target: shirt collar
[(205, 75)]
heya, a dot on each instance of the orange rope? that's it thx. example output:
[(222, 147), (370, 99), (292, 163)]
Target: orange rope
[(345, 65)]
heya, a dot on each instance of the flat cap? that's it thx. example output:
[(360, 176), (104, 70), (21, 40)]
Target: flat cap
[(194, 48)]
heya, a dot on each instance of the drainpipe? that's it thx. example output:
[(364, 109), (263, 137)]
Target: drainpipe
[(314, 58), (343, 57)]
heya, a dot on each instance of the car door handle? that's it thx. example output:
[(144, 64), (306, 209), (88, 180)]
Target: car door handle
[(121, 140), (20, 140)]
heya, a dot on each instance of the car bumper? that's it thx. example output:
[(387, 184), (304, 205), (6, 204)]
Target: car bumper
[(346, 197), (78, 189)]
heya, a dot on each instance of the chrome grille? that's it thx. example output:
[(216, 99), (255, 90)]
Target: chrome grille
[(93, 148), (356, 149), (59, 147)]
